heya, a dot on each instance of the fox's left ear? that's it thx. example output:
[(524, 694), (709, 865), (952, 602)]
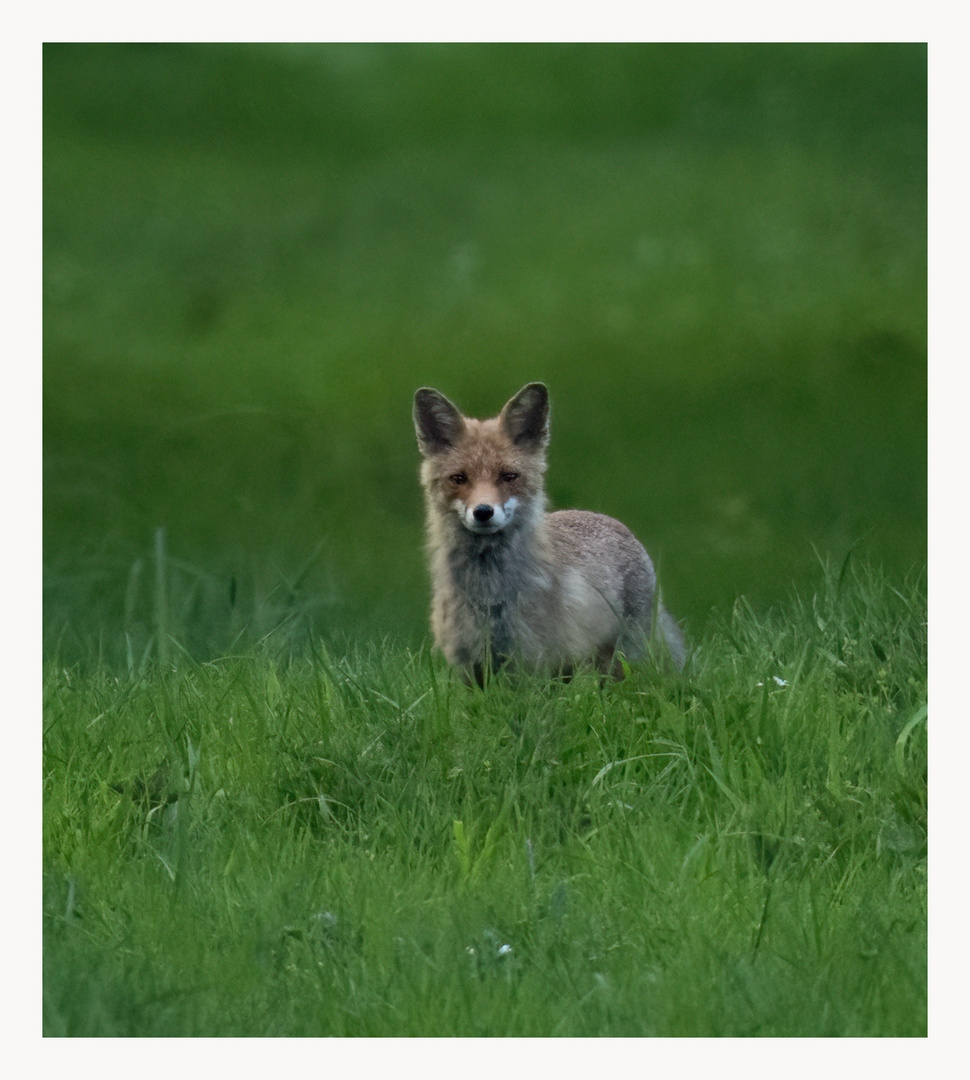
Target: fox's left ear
[(526, 417)]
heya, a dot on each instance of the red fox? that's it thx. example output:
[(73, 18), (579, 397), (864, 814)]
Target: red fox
[(511, 582)]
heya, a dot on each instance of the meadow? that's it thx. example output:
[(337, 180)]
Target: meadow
[(362, 846), (269, 809)]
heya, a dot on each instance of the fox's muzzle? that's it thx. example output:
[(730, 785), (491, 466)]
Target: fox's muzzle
[(487, 518)]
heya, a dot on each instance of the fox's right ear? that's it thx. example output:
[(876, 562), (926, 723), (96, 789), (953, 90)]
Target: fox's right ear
[(437, 422)]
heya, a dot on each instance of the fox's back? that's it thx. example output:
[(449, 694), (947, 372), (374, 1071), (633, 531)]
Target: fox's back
[(609, 557), (605, 577)]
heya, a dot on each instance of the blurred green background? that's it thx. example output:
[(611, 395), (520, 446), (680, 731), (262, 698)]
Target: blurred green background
[(715, 255)]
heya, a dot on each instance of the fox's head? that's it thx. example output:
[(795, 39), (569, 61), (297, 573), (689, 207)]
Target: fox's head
[(488, 472)]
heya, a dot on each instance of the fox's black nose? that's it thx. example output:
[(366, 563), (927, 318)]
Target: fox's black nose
[(483, 513)]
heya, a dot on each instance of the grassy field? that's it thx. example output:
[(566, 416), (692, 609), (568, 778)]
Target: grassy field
[(362, 846), (268, 808)]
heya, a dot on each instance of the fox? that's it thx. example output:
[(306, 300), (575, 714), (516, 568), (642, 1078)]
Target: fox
[(512, 583)]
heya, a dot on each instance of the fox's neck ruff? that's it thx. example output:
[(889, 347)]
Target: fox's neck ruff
[(490, 571)]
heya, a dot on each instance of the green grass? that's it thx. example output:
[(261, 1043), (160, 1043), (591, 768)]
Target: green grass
[(363, 846), (268, 808)]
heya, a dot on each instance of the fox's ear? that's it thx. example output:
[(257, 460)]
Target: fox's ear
[(438, 423), (526, 417)]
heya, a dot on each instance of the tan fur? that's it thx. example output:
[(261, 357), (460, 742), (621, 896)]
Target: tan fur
[(511, 581)]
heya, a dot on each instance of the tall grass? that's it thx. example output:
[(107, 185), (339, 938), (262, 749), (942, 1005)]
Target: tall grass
[(363, 846), (268, 808)]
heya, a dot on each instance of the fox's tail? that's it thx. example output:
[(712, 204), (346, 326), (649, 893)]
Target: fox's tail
[(673, 638)]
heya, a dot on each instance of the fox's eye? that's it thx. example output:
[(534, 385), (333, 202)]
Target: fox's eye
[(458, 478), (508, 477)]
